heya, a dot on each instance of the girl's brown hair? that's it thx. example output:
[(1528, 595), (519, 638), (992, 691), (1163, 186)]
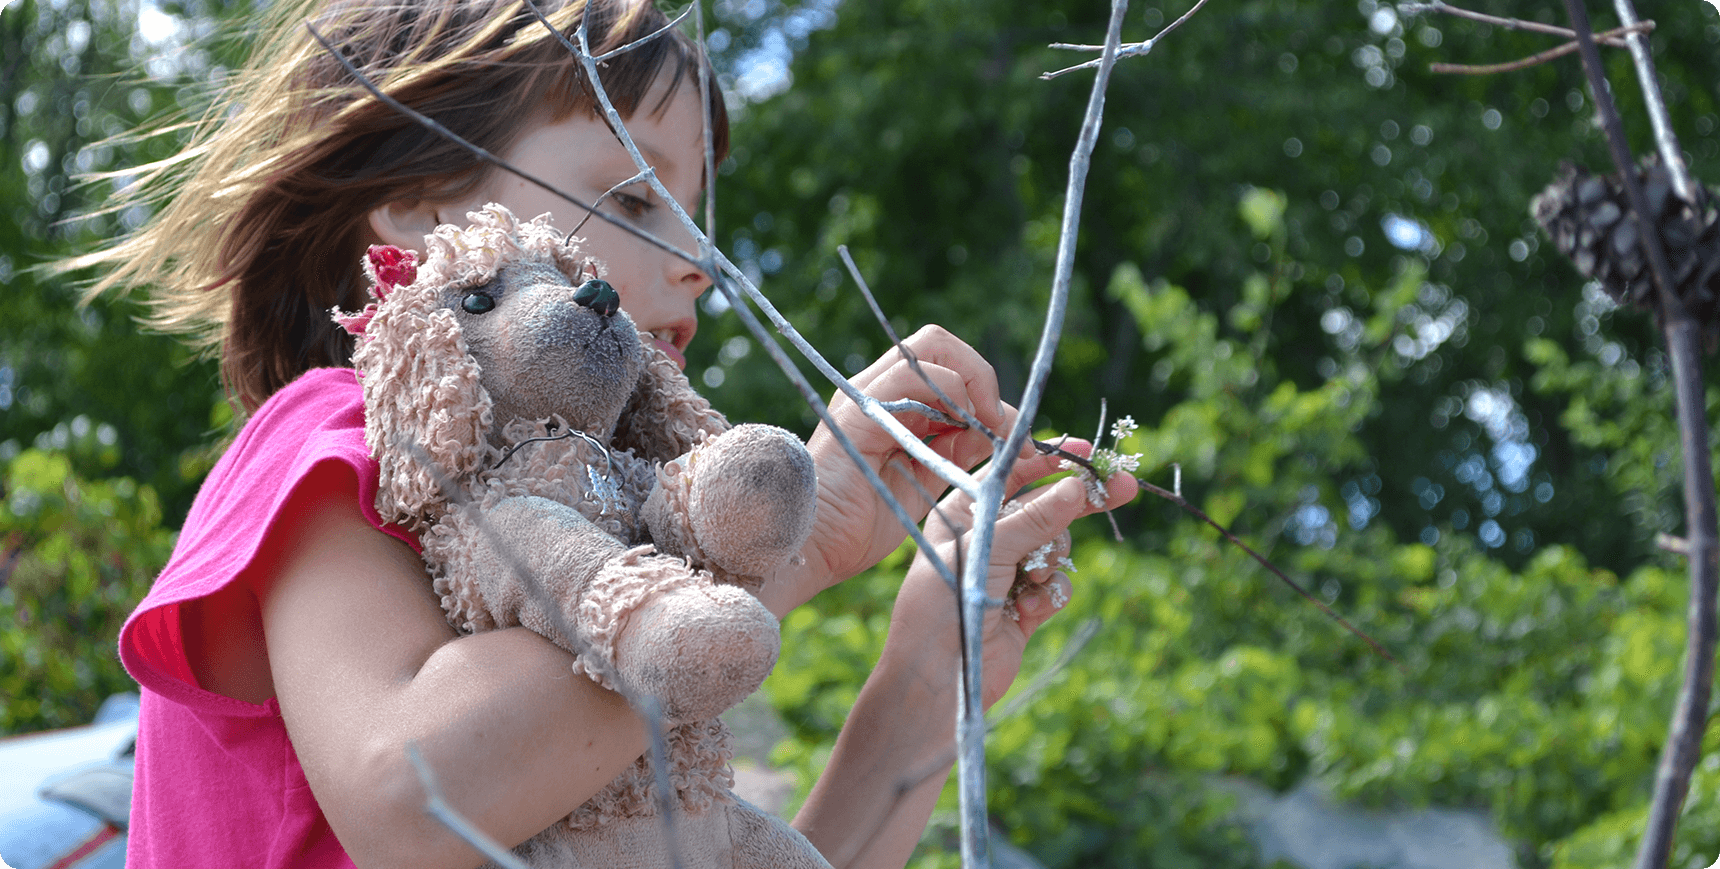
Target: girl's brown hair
[(265, 215)]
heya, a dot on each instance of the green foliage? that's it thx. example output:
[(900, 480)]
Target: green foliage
[(75, 91), (76, 555), (1263, 160), (1441, 437), (1537, 691)]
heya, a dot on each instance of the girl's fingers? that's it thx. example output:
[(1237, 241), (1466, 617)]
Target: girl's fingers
[(1044, 514), (1036, 604), (975, 381)]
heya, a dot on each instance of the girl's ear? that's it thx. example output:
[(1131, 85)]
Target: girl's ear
[(403, 223)]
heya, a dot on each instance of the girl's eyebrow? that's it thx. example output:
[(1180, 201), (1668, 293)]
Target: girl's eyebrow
[(659, 162)]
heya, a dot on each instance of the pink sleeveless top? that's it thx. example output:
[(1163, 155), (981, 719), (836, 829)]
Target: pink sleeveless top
[(218, 783)]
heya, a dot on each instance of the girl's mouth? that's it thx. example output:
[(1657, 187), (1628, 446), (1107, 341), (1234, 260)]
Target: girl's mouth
[(665, 339)]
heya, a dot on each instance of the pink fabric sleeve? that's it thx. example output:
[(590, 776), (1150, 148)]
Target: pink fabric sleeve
[(218, 783), (318, 418)]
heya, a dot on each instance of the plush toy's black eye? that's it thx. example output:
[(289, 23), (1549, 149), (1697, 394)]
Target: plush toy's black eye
[(478, 303)]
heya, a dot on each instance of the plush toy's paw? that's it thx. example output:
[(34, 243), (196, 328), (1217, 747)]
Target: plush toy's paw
[(698, 648), (745, 499)]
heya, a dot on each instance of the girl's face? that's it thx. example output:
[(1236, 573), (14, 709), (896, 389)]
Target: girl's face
[(582, 157)]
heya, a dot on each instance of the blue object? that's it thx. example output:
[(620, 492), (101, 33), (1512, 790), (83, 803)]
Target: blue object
[(65, 795)]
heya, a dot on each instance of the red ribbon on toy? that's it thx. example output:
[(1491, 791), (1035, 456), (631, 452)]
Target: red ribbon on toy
[(389, 268)]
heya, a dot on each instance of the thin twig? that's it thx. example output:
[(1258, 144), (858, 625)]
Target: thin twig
[(1174, 495), (966, 419), (705, 110), (1102, 480), (1673, 544), (562, 37), (1683, 747), (599, 201), (631, 45), (666, 793), (1134, 49), (1665, 140), (1533, 59), (484, 156), (1196, 512), (1408, 9), (937, 511), (437, 807)]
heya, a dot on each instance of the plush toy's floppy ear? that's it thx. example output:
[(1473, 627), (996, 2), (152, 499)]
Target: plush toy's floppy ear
[(426, 411), (665, 416)]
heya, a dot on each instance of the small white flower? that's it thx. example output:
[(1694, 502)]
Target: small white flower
[(1036, 559), (1122, 428)]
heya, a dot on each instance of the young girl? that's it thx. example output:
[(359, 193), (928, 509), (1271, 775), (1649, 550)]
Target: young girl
[(293, 648)]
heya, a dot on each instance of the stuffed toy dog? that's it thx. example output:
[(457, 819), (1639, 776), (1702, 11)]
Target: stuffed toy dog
[(562, 475)]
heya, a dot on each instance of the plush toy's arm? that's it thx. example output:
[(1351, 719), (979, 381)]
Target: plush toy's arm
[(740, 504), (637, 620), (491, 558)]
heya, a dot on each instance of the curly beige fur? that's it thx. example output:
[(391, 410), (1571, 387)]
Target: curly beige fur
[(643, 534)]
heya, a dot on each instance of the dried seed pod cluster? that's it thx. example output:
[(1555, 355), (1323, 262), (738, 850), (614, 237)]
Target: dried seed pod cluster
[(1588, 219)]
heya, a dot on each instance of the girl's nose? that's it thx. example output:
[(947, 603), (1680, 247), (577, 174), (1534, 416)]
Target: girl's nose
[(687, 277)]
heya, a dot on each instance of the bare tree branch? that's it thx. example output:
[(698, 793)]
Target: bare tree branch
[(1689, 719), (710, 148), (631, 45), (484, 156), (970, 717), (966, 419), (1533, 59)]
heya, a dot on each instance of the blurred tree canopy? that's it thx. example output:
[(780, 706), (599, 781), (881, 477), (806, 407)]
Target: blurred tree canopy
[(1306, 268)]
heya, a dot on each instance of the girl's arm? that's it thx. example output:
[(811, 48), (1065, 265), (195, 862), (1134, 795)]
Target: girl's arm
[(363, 664), (897, 747), (894, 754)]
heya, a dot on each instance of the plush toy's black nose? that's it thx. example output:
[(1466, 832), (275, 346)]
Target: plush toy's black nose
[(599, 296)]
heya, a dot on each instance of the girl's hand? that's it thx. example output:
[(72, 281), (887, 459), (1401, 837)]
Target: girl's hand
[(925, 613), (887, 768), (854, 528)]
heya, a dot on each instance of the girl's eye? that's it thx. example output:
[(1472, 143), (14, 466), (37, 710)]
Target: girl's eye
[(633, 205), (478, 303)]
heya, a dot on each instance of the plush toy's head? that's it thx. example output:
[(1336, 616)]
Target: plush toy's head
[(504, 321)]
